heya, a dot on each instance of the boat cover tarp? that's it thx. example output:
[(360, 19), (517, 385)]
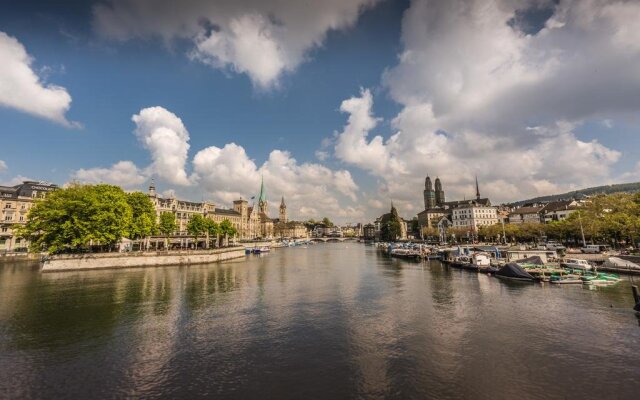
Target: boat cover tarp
[(513, 270), (531, 260)]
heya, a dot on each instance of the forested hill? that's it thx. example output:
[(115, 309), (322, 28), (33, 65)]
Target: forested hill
[(607, 189)]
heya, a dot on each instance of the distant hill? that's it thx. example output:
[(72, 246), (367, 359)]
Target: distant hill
[(607, 189)]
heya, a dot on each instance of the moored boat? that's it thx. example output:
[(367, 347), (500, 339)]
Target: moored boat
[(405, 253), (576, 263), (514, 272)]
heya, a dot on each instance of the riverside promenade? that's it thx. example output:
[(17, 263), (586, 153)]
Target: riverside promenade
[(77, 262)]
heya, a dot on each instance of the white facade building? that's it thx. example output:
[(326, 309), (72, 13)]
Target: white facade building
[(474, 215)]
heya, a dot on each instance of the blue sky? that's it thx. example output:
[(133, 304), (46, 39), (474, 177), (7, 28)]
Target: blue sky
[(302, 93)]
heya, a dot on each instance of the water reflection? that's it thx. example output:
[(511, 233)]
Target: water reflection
[(329, 321)]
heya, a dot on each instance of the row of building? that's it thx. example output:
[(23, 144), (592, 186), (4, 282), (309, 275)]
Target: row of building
[(470, 214), (250, 221), (15, 203)]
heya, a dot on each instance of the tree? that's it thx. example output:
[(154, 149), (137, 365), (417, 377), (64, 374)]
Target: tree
[(429, 232), (167, 225), (227, 229), (111, 214), (75, 217), (489, 233), (211, 229), (143, 221), (197, 226), (326, 221)]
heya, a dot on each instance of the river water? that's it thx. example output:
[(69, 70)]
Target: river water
[(330, 321)]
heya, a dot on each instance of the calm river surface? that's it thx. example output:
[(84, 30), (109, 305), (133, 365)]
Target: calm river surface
[(331, 321)]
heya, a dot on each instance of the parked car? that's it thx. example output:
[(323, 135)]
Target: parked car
[(553, 245), (594, 248)]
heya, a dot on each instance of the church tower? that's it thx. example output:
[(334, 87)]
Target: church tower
[(263, 205), (429, 194), (283, 211), (439, 193), (152, 189), (477, 189)]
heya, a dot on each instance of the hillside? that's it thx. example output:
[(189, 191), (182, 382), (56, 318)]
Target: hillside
[(607, 189)]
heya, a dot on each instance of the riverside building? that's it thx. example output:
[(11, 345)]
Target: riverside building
[(465, 214), (251, 222), (15, 202)]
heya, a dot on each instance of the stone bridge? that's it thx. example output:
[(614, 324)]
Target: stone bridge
[(333, 239)]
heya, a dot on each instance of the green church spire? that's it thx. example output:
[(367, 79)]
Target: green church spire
[(263, 195)]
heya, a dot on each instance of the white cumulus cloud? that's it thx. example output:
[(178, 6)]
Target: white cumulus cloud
[(162, 133), (123, 173), (481, 96), (23, 90), (310, 190), (260, 38), (3, 166)]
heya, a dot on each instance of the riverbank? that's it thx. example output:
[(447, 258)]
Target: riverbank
[(20, 258), (77, 262)]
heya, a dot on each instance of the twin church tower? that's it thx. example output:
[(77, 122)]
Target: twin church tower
[(433, 198)]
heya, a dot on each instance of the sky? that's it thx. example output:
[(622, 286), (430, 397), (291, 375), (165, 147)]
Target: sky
[(341, 106)]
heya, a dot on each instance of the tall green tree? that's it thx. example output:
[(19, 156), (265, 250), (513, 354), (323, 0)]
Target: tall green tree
[(167, 226), (76, 216), (212, 229), (228, 230), (197, 226), (111, 214), (143, 216), (326, 221)]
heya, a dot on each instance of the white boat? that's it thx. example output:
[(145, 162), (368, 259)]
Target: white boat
[(405, 253), (482, 260), (576, 263)]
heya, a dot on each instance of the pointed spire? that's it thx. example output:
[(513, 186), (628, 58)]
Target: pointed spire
[(477, 189), (263, 195), (282, 202)]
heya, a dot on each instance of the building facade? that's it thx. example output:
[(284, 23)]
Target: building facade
[(250, 222), (473, 215), (15, 203), (461, 213), (526, 215), (559, 210)]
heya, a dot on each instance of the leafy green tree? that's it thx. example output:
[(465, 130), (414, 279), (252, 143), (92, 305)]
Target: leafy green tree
[(228, 230), (212, 229), (197, 226), (327, 222), (490, 233), (143, 221), (167, 226), (75, 217), (111, 214), (459, 234), (429, 232)]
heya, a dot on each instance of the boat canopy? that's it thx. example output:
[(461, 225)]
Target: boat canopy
[(531, 260), (513, 270)]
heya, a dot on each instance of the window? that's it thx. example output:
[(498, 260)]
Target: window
[(8, 218), (4, 229), (22, 218)]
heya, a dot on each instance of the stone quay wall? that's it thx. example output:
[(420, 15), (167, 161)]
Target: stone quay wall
[(78, 262)]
